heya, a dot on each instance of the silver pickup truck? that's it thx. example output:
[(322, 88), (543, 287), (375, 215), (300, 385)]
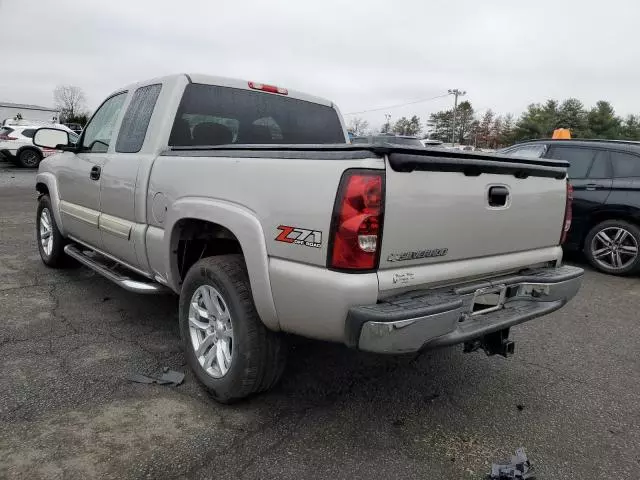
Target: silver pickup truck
[(247, 201)]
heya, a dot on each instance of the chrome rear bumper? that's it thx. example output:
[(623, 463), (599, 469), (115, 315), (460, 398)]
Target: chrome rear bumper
[(434, 318)]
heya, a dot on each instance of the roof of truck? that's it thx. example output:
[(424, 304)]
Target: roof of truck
[(229, 82)]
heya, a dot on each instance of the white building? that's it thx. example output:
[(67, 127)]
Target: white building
[(9, 111)]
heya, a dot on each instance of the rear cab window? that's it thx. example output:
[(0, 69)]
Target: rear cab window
[(214, 115)]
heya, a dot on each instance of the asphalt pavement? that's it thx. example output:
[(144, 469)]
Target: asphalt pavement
[(69, 339)]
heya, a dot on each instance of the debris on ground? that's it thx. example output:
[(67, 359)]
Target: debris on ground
[(168, 377), (519, 469)]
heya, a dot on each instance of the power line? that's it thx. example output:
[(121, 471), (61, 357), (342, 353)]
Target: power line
[(399, 105)]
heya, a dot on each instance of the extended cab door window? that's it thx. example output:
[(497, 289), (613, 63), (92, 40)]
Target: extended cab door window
[(97, 134), (136, 120)]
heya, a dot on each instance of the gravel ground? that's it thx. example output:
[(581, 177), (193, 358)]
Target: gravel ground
[(70, 338)]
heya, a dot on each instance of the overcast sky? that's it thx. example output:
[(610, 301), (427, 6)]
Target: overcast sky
[(360, 54)]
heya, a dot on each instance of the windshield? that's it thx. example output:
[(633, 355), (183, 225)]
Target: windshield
[(214, 115)]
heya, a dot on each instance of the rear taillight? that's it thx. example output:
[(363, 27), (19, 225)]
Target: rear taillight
[(356, 226), (568, 214), (268, 88), (6, 137)]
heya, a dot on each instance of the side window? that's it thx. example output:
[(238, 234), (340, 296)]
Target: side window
[(28, 132), (136, 119), (600, 166), (98, 133), (579, 159), (625, 165), (528, 151)]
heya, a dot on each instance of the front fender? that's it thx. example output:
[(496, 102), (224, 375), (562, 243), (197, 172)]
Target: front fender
[(49, 179), (243, 223)]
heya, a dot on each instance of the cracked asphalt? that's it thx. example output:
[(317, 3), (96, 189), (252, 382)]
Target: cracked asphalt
[(69, 338)]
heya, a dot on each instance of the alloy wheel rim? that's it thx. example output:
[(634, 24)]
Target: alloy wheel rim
[(211, 331), (614, 248), (46, 231)]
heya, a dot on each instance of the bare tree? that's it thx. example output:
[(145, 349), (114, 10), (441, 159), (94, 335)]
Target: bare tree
[(358, 126), (70, 100)]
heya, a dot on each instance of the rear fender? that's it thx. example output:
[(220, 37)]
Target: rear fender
[(243, 223)]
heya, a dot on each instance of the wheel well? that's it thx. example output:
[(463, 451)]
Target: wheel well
[(194, 239), (599, 217), (42, 188)]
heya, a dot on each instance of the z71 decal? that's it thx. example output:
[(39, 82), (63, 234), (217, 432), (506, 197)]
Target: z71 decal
[(299, 236)]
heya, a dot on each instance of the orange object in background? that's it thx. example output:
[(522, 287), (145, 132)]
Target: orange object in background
[(561, 134)]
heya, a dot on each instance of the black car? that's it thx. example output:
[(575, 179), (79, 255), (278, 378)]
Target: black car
[(605, 175)]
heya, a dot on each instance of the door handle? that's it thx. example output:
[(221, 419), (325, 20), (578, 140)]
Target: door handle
[(498, 196), (591, 186), (95, 173)]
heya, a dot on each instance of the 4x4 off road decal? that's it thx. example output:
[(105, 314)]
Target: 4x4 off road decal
[(299, 236)]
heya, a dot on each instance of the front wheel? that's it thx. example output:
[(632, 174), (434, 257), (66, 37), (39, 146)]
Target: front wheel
[(50, 241), (612, 247), (226, 344)]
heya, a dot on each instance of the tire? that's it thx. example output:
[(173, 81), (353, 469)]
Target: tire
[(29, 158), (257, 355), (52, 253), (620, 254)]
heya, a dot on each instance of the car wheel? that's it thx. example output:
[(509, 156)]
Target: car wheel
[(50, 241), (29, 158), (226, 344), (612, 247)]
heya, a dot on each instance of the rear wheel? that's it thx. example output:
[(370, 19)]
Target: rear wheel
[(226, 344), (29, 158), (612, 247)]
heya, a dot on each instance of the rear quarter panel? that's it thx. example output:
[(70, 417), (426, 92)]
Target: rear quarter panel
[(298, 193)]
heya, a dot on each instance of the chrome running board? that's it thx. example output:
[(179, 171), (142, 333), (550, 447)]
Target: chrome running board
[(113, 272)]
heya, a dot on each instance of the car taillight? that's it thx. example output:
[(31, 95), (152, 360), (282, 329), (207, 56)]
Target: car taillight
[(6, 137), (568, 214), (268, 88), (356, 226)]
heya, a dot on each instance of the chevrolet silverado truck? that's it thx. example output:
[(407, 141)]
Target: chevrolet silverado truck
[(247, 201)]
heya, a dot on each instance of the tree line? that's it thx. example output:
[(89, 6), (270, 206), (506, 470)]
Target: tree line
[(490, 130)]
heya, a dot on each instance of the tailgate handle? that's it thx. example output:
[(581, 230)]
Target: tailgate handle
[(498, 196)]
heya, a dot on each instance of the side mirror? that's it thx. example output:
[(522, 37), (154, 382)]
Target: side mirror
[(51, 138)]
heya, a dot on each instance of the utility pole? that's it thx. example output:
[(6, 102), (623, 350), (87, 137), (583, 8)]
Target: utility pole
[(455, 92)]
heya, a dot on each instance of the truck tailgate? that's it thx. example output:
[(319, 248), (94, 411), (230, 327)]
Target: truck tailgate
[(445, 206)]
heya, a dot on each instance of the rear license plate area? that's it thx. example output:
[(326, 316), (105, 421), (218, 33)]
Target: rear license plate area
[(488, 299)]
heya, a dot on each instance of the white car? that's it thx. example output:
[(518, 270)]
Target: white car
[(16, 143)]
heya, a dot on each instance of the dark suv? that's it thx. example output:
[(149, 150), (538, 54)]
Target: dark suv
[(605, 175)]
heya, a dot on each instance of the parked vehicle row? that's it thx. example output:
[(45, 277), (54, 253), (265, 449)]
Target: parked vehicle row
[(248, 202), (605, 175)]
